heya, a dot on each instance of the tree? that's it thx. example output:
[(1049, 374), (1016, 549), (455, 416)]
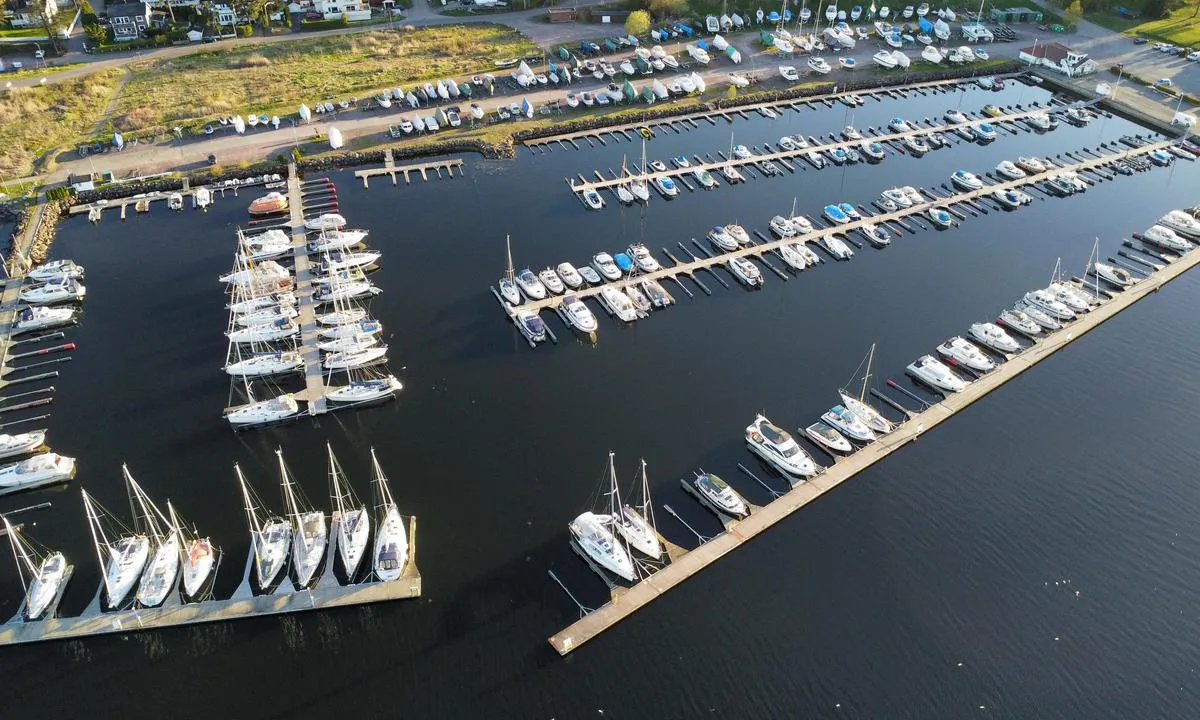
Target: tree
[(247, 9), (44, 11), (1155, 9), (638, 23), (1075, 10), (96, 35), (667, 8)]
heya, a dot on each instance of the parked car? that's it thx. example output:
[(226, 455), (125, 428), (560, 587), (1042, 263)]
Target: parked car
[(1194, 56), (1140, 41), (1164, 84)]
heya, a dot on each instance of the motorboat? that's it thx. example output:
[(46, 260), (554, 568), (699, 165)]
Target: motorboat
[(897, 196), (30, 319), (1032, 165), (723, 240), (1109, 273), (269, 204), (955, 117), (1046, 302), (654, 290), (551, 281), (266, 364), (1009, 198), (731, 174), (900, 125), (21, 443), (966, 180), (56, 270), (741, 152), (875, 234), (738, 233), (849, 211), (914, 195), (930, 53), (986, 132), (934, 140), (589, 274), (828, 438), (336, 241), (802, 224), (789, 73), (618, 303), (872, 149), (940, 217), (570, 276), (1163, 237), (966, 132), (961, 351), (52, 293), (851, 133), (1040, 121), (848, 424), (281, 329), (722, 497), (782, 227), (642, 257), (705, 178), (38, 471), (640, 302), (777, 447), (325, 221), (836, 247), (934, 373), (838, 155), (994, 337), (531, 325), (884, 59), (1070, 296), (1020, 321), (592, 534), (835, 214), (847, 63), (604, 264), (592, 199), (819, 66), (739, 80), (914, 145), (1008, 169), (1043, 319), (530, 285), (746, 271), (666, 186), (681, 161), (579, 315), (1181, 223), (791, 255)]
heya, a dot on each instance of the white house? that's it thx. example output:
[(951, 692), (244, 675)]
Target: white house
[(352, 9), (1060, 58), (27, 13), (128, 20)]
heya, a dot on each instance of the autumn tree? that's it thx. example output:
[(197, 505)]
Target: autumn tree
[(638, 23)]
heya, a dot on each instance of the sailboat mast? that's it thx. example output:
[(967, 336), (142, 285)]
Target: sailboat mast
[(335, 480), (289, 498), (19, 553), (381, 481), (862, 396), (614, 492), (647, 508), (251, 516), (143, 502), (97, 536), (509, 273)]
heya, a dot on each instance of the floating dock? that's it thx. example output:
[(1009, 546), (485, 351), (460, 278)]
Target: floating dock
[(627, 601), (314, 374), (94, 209), (391, 168), (325, 593)]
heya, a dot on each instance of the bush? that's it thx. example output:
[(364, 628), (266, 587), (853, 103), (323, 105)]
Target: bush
[(177, 35), (310, 25), (244, 31), (60, 192), (96, 35)]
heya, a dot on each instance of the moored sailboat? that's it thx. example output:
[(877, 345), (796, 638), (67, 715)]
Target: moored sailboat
[(354, 524), (47, 572), (391, 540), (270, 537), (122, 560), (309, 533)]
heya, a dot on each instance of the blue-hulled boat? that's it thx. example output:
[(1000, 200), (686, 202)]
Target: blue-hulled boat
[(623, 261), (835, 214)]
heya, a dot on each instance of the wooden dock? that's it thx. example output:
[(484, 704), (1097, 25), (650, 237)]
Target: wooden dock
[(187, 191), (630, 600), (325, 593), (314, 374), (702, 262), (391, 168)]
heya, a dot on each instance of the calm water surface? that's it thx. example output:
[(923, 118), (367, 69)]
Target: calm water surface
[(1035, 557)]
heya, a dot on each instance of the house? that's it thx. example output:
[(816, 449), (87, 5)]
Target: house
[(1059, 58), (28, 13), (129, 20), (334, 9)]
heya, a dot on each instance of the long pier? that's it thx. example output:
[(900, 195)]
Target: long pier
[(215, 190), (314, 375), (391, 168), (628, 601), (705, 262), (325, 593)]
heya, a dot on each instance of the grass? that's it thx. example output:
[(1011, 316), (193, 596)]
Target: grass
[(39, 119), (276, 78), (29, 32), (39, 72), (1180, 27)]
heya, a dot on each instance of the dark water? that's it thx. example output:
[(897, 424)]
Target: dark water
[(1035, 557)]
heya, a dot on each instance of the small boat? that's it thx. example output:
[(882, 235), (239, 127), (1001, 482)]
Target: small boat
[(782, 227), (931, 54), (578, 315), (836, 247), (551, 281), (966, 180), (746, 271), (1008, 198), (35, 472), (848, 424), (731, 174), (789, 73), (1159, 235), (618, 303), (963, 352), (530, 285), (604, 264), (31, 319), (847, 63), (1070, 296), (955, 117), (986, 132), (21, 443), (54, 292), (792, 256), (884, 59), (1041, 318), (777, 447), (680, 161), (705, 178), (1040, 121), (875, 234), (1109, 273), (851, 133), (325, 221), (722, 239), (640, 302), (654, 290), (530, 325), (900, 125), (722, 497), (940, 217), (590, 275), (570, 276), (915, 145), (666, 186), (1020, 321), (828, 438), (994, 337), (1181, 223), (741, 152), (1048, 304), (269, 204), (56, 270), (897, 196), (642, 257), (934, 373), (819, 66), (835, 214), (1032, 165), (592, 199), (1008, 169)]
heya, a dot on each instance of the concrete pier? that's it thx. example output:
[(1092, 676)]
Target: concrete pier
[(391, 168), (653, 587), (314, 375)]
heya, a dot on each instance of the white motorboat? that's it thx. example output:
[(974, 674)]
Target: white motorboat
[(21, 443), (531, 325), (777, 447), (590, 275), (851, 133), (900, 125), (657, 294), (592, 199), (940, 216), (819, 66), (966, 180), (788, 143), (1049, 304), (835, 214), (930, 53), (836, 247), (1008, 169), (604, 264), (934, 373), (56, 270), (782, 227), (1020, 321), (792, 256), (591, 533), (704, 178), (746, 271), (325, 221), (1109, 273), (741, 152), (1165, 237), (365, 391), (731, 174), (1071, 296), (579, 315), (1009, 198), (848, 424), (1040, 121), (802, 225), (335, 240), (994, 337), (37, 471), (961, 351), (47, 572), (875, 234), (1039, 316), (738, 233), (915, 145), (264, 412), (828, 438), (1181, 223), (666, 186), (718, 236), (530, 285), (986, 132), (266, 364), (789, 73), (1032, 165), (645, 261), (884, 59), (551, 281), (270, 539), (955, 117), (897, 196), (51, 293), (570, 276), (618, 303), (359, 357), (43, 318), (722, 497)]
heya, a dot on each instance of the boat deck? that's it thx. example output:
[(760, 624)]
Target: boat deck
[(325, 593), (628, 601), (391, 168)]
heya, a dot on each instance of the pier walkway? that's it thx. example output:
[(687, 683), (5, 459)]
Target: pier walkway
[(720, 258), (643, 593), (314, 375), (391, 168)]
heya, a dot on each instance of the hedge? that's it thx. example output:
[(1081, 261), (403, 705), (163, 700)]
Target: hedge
[(244, 31), (310, 25)]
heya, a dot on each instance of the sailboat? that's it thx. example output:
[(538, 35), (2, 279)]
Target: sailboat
[(391, 540), (354, 526), (636, 524), (48, 572), (859, 406), (198, 557), (508, 285), (309, 534), (638, 185), (159, 577), (121, 560), (593, 534), (270, 537)]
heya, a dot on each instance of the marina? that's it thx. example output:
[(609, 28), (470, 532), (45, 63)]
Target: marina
[(393, 170)]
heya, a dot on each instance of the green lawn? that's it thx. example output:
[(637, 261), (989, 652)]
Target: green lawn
[(1181, 27), (28, 32), (39, 72)]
